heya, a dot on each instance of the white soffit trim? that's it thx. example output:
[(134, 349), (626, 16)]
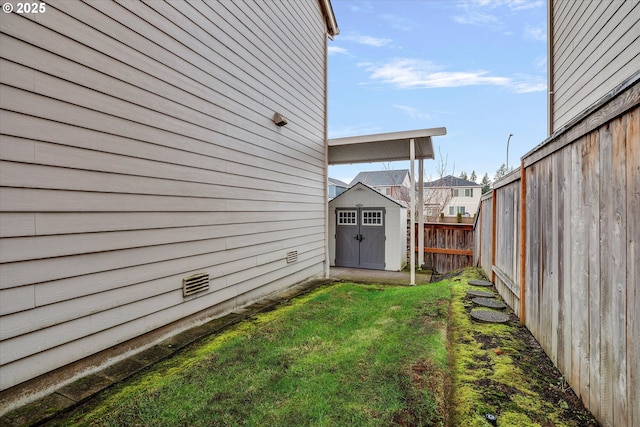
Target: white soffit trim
[(383, 147)]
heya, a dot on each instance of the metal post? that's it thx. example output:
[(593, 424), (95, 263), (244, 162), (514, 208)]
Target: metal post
[(508, 139), (421, 213), (412, 157)]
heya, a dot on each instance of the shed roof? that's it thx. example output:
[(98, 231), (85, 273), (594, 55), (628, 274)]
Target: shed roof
[(383, 147), (361, 185)]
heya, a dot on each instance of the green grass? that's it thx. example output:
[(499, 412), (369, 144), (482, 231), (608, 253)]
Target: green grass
[(345, 354)]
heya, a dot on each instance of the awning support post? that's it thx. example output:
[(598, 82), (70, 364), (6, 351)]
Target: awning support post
[(412, 157), (420, 213)]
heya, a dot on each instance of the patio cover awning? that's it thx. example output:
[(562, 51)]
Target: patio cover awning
[(383, 147), (387, 147)]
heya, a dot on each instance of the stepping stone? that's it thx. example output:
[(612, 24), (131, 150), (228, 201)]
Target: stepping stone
[(489, 302), (490, 316), (480, 283), (483, 294)]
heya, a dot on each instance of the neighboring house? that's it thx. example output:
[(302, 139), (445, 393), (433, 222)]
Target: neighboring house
[(139, 154), (451, 196), (392, 183), (593, 48), (336, 187)]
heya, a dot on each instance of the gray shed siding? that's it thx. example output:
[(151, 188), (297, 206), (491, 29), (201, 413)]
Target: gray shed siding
[(595, 46), (138, 148)]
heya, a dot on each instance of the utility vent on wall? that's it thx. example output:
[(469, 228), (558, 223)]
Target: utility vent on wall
[(194, 284), (292, 257)]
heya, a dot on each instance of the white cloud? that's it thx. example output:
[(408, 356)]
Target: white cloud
[(524, 83), (540, 63), (368, 40), (510, 4), (535, 33), (361, 129), (475, 12), (412, 112), (398, 22), (333, 50), (409, 73), (478, 18)]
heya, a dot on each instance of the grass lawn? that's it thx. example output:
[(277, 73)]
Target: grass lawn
[(351, 355), (342, 355)]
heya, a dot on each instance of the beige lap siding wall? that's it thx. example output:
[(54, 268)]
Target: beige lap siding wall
[(138, 148)]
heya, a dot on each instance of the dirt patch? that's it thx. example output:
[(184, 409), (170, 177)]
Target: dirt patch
[(425, 396)]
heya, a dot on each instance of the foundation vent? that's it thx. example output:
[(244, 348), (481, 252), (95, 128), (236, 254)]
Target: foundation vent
[(195, 284), (292, 257)]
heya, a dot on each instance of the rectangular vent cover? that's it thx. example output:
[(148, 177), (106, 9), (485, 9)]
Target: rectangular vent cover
[(194, 284), (292, 257)]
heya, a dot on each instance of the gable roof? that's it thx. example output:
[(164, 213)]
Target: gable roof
[(451, 181), (337, 182), (390, 178), (361, 185)]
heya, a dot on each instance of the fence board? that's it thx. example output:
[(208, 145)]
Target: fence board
[(448, 247), (618, 245), (581, 280), (633, 274)]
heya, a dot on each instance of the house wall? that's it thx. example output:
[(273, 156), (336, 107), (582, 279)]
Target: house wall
[(595, 46), (138, 148), (443, 196), (581, 253)]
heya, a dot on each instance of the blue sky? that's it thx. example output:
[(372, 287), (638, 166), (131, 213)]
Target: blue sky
[(476, 67)]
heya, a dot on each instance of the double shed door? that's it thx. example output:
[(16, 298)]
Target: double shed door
[(360, 238)]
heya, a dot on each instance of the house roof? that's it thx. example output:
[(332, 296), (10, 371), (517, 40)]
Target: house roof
[(330, 17), (451, 181), (388, 178), (338, 183), (360, 184), (383, 147)]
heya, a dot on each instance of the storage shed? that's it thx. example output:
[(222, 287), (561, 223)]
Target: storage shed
[(367, 230)]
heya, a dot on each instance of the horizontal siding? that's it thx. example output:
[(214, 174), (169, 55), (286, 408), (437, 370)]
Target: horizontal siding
[(137, 148), (48, 223), (596, 47), (40, 362)]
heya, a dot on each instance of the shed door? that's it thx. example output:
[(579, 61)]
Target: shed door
[(360, 238)]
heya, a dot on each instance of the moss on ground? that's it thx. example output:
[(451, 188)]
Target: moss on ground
[(492, 373)]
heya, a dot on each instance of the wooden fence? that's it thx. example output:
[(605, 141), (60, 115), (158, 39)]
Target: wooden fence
[(447, 246), (561, 240)]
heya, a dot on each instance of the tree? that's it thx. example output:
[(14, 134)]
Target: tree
[(435, 199), (463, 175), (486, 183), (502, 171), (473, 177)]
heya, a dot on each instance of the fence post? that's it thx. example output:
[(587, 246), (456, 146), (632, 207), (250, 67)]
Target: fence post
[(523, 239), (494, 242)]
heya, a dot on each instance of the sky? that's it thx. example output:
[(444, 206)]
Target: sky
[(476, 67)]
